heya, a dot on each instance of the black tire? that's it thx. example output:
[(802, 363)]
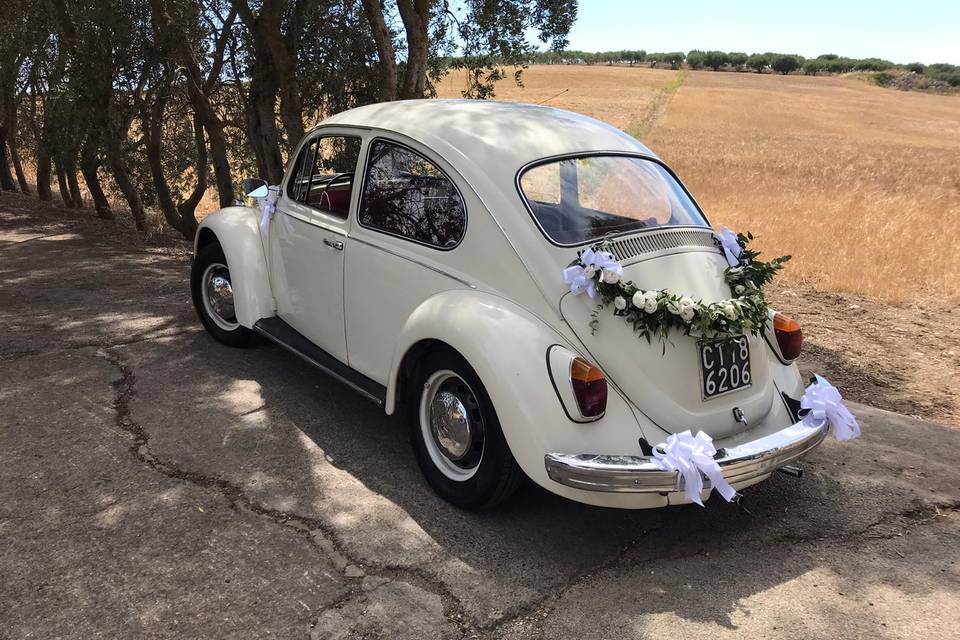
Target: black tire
[(234, 336), (496, 475)]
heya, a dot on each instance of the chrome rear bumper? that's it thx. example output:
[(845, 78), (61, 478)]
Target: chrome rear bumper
[(639, 474)]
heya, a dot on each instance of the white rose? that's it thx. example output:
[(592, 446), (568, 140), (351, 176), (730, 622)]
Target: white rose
[(620, 303), (639, 298), (650, 302), (674, 307), (686, 303), (739, 289), (590, 271), (687, 314), (610, 277), (730, 311)]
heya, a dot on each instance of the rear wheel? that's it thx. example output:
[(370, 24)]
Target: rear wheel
[(212, 291), (456, 435)]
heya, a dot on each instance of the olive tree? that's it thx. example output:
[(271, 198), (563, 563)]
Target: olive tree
[(758, 62), (785, 64), (715, 59)]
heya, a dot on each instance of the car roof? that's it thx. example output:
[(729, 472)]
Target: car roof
[(487, 143), (494, 135)]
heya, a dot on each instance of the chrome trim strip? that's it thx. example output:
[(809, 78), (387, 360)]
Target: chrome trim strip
[(639, 474), (333, 374), (414, 261), (314, 223)]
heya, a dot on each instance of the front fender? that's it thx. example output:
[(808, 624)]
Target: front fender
[(507, 347), (237, 229)]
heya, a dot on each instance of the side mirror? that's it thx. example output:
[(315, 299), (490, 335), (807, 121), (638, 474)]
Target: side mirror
[(255, 188)]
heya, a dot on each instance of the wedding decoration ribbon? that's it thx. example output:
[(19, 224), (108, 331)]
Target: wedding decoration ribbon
[(824, 405), (692, 457), (731, 246), (267, 206), (579, 277)]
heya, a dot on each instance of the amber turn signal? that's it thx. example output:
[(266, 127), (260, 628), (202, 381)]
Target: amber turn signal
[(789, 336), (589, 388)]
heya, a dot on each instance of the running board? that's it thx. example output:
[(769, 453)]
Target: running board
[(278, 331)]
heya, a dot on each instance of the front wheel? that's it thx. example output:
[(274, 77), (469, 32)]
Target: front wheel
[(456, 435), (212, 291)]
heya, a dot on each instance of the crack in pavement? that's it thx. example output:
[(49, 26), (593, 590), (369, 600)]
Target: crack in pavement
[(324, 539), (98, 344), (316, 532)]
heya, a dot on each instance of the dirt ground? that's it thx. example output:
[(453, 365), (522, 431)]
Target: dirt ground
[(903, 358), (155, 483)]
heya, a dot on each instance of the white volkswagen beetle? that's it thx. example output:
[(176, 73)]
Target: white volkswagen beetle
[(415, 251)]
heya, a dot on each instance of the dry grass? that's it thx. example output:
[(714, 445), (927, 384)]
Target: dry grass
[(861, 184), (617, 95)]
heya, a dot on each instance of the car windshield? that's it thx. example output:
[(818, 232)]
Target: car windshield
[(576, 200)]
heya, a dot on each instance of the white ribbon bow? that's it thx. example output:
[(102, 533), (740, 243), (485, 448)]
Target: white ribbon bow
[(580, 277), (692, 456), (731, 246), (267, 206), (824, 405)]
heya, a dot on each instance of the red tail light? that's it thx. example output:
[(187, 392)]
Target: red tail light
[(589, 388), (789, 336)]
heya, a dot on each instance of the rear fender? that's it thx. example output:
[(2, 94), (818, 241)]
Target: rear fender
[(507, 347), (237, 230)]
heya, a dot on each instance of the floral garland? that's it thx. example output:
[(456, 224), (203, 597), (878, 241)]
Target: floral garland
[(597, 273)]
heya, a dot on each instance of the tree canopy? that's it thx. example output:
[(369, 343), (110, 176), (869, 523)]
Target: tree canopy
[(150, 102)]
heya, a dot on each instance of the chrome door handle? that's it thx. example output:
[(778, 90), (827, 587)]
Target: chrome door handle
[(335, 244)]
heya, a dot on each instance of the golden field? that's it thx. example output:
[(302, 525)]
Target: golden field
[(860, 184)]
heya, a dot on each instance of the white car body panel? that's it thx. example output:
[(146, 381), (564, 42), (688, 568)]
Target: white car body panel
[(237, 231), (496, 298), (307, 274)]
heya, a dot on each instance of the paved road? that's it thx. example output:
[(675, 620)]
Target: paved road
[(154, 483)]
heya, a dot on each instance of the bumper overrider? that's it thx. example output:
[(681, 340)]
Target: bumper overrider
[(741, 464)]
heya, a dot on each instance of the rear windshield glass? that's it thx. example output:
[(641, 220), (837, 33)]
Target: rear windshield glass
[(577, 200)]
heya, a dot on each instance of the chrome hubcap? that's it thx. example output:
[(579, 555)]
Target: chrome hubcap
[(452, 425), (218, 296)]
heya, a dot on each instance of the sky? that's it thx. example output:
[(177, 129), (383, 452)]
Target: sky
[(905, 31)]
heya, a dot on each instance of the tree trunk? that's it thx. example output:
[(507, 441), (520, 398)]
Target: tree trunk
[(122, 177), (89, 163), (384, 41), (275, 63), (263, 132), (181, 217), (62, 182), (416, 22), (199, 100), (6, 177), (11, 125), (76, 196), (17, 165), (44, 192)]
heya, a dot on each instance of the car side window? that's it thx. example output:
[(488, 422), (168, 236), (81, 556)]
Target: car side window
[(323, 176), (406, 195)]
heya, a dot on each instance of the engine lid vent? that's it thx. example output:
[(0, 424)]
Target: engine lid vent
[(662, 240)]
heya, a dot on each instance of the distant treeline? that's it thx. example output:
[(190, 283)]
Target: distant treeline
[(738, 61)]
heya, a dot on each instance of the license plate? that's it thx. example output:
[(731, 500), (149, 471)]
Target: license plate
[(724, 366)]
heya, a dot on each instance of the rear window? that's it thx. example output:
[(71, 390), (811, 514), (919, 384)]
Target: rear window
[(577, 200)]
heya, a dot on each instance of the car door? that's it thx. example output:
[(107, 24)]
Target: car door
[(409, 213), (308, 238)]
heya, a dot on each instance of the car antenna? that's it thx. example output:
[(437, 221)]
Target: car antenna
[(552, 97)]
